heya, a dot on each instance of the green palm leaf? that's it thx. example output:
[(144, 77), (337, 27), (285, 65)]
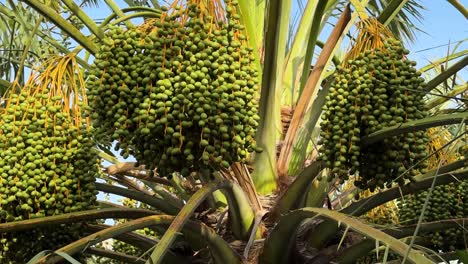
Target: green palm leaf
[(403, 26)]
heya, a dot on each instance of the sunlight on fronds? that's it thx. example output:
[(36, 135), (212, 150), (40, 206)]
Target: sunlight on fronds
[(371, 35), (90, 3), (55, 5)]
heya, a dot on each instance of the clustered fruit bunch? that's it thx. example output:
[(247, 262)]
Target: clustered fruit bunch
[(445, 202), (47, 167), (377, 89), (179, 97)]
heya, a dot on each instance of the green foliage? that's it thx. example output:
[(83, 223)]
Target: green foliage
[(178, 97), (403, 24), (378, 89)]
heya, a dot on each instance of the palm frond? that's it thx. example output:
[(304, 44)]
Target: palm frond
[(89, 3), (404, 25)]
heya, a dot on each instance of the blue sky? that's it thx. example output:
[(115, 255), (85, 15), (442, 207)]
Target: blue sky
[(442, 24)]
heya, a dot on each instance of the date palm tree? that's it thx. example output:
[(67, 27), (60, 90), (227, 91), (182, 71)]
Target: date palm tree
[(279, 206)]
